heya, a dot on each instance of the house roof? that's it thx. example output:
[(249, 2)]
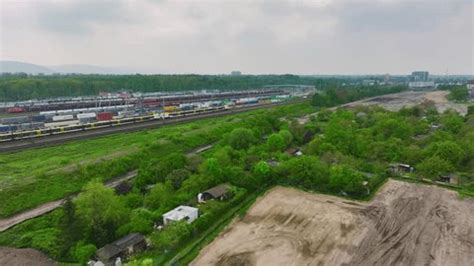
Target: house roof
[(179, 213), (113, 249), (218, 190), (108, 251)]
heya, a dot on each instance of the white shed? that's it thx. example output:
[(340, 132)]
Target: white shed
[(181, 213)]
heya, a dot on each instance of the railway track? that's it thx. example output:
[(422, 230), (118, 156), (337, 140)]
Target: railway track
[(48, 140)]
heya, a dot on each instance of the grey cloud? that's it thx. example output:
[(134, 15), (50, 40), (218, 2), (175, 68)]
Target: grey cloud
[(78, 17), (405, 16)]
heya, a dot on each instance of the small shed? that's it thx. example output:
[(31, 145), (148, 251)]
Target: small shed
[(219, 192), (181, 213), (400, 168), (121, 248), (449, 178)]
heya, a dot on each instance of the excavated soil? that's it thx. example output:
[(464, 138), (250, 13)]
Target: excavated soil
[(405, 224), (24, 257)]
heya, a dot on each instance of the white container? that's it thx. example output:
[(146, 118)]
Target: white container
[(62, 118), (86, 115)]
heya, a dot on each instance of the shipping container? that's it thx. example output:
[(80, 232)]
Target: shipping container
[(31, 126), (62, 118), (15, 120), (4, 128), (38, 118), (170, 108), (7, 128), (86, 115), (104, 116), (15, 109)]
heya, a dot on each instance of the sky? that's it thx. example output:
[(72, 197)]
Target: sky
[(255, 37)]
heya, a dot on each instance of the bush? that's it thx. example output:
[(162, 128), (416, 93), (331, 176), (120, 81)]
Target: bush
[(82, 252)]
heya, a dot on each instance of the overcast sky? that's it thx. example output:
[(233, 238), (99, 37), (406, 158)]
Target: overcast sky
[(300, 37)]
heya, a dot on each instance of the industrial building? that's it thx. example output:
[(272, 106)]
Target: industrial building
[(421, 85), (419, 76)]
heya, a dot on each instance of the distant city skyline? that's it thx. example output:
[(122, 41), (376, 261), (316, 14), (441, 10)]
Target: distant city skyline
[(255, 37)]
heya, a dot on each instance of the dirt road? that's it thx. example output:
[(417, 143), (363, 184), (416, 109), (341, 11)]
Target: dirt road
[(50, 206), (405, 224)]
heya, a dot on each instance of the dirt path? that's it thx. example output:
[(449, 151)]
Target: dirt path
[(405, 224), (50, 206)]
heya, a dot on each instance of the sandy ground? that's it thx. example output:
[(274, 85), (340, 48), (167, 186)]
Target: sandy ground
[(395, 102), (24, 257), (405, 224)]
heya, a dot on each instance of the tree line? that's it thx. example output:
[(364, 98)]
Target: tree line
[(13, 88)]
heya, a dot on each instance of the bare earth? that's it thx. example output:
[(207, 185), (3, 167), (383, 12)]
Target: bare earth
[(24, 257), (396, 101), (405, 224)]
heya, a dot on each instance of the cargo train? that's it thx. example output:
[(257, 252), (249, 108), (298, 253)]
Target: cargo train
[(73, 126)]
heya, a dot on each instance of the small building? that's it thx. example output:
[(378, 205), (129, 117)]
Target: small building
[(220, 192), (123, 188), (294, 152), (421, 85), (181, 213), (121, 248), (449, 178), (396, 168)]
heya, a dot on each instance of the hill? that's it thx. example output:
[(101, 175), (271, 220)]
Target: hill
[(15, 67)]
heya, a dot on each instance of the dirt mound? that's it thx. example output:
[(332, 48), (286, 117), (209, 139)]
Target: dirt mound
[(406, 224), (24, 257)]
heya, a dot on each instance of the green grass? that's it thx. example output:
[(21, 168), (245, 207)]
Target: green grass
[(32, 177)]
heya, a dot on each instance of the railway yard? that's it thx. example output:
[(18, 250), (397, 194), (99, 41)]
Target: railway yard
[(77, 115)]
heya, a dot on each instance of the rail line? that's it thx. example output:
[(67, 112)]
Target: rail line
[(48, 140)]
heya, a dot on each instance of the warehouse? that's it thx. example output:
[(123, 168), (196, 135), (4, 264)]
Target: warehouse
[(181, 213)]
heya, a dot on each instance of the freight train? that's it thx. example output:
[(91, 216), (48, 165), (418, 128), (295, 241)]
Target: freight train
[(143, 99), (68, 128)]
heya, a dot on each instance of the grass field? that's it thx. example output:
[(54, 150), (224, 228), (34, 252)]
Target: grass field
[(32, 177)]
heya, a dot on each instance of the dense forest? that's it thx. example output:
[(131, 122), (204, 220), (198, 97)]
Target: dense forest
[(345, 153), (25, 87)]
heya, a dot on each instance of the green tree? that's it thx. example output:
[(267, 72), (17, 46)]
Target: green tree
[(345, 179), (262, 172), (171, 236), (449, 151), (100, 213), (287, 136), (83, 252), (306, 171), (176, 177), (276, 142), (459, 93), (433, 167), (241, 138), (160, 196), (70, 231)]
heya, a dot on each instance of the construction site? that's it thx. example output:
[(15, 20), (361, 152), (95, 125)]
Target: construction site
[(405, 224)]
